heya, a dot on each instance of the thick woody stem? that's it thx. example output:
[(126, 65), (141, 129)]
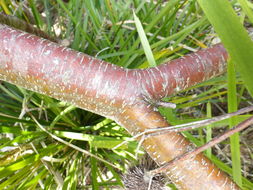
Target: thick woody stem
[(209, 144), (45, 67), (184, 72)]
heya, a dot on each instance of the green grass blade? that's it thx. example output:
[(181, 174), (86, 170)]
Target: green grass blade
[(19, 176), (246, 9), (209, 129), (35, 180), (27, 160), (168, 7), (94, 170), (70, 181), (36, 14), (234, 139), (126, 61), (94, 140), (76, 23), (5, 7), (233, 35), (63, 114), (144, 42)]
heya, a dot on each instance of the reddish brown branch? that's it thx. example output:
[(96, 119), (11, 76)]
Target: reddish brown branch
[(117, 93), (214, 141), (184, 72)]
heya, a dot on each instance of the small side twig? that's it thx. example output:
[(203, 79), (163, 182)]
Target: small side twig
[(211, 143), (184, 127), (196, 124)]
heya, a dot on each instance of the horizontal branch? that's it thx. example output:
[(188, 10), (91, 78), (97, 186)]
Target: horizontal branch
[(184, 72), (92, 84)]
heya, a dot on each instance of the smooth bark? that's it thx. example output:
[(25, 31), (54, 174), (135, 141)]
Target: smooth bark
[(118, 93)]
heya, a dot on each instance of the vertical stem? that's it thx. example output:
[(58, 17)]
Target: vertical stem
[(234, 139), (209, 129)]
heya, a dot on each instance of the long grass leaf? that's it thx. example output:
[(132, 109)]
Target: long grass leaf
[(234, 139), (233, 35), (209, 129), (144, 42), (246, 8)]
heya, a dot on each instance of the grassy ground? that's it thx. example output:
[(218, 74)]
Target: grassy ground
[(107, 29)]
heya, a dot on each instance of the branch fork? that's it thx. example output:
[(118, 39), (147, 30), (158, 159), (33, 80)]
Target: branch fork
[(117, 93)]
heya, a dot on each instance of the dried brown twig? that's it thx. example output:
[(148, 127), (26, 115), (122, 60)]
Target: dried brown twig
[(184, 127)]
